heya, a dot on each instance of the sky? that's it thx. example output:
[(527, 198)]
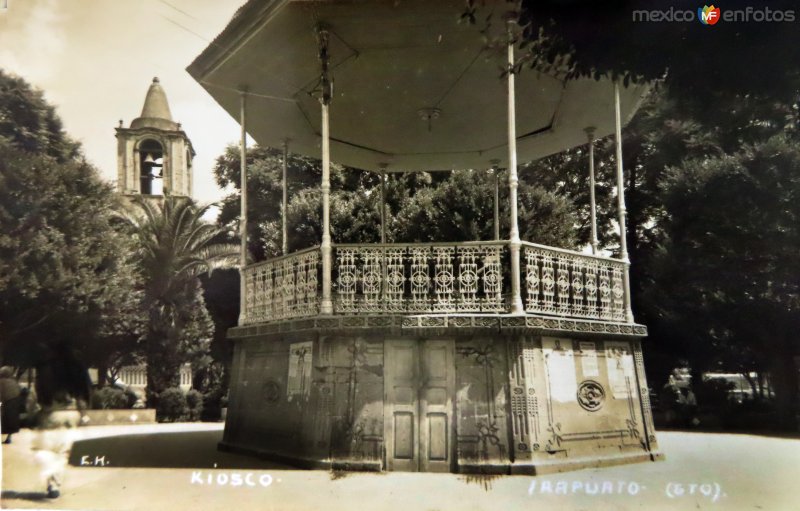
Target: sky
[(95, 59)]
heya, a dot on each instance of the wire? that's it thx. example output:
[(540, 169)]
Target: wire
[(177, 9), (186, 29)]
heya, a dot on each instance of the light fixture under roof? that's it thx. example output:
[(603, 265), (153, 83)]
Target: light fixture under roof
[(429, 114)]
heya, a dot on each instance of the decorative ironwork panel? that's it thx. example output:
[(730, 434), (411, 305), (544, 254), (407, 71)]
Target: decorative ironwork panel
[(347, 279), (371, 280), (443, 279), (395, 280), (605, 293), (492, 279), (532, 280), (548, 285), (278, 301), (578, 268), (468, 279), (435, 278), (249, 283), (562, 280), (282, 288), (300, 288), (288, 288), (307, 284), (617, 308), (571, 284), (259, 300), (592, 309), (420, 279)]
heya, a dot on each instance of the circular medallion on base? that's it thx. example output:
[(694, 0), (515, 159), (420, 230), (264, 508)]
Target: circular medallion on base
[(591, 395)]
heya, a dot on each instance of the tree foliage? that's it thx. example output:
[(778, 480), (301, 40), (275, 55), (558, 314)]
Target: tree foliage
[(420, 207), (727, 269), (174, 246), (30, 124), (590, 38), (64, 277)]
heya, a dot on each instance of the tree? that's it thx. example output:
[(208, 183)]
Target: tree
[(174, 246), (264, 175), (421, 206), (116, 339), (589, 38), (30, 124), (459, 207), (64, 273), (728, 266)]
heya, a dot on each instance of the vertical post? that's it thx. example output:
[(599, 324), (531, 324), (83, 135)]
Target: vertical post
[(326, 304), (513, 181), (384, 266), (284, 201), (495, 174), (243, 213), (383, 202), (592, 202), (623, 242)]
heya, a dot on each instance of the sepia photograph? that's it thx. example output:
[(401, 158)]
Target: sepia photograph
[(438, 255)]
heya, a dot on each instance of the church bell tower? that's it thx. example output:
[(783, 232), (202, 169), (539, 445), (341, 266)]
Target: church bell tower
[(154, 155)]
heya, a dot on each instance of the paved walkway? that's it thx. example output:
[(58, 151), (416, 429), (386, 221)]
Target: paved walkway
[(176, 466)]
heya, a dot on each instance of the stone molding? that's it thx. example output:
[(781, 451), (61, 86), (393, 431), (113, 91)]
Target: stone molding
[(442, 324)]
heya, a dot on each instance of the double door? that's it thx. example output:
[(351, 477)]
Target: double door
[(419, 381)]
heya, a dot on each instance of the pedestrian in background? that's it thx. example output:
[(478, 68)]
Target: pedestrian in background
[(63, 386), (11, 403), (52, 445)]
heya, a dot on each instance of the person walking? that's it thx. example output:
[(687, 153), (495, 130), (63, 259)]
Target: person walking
[(52, 446), (63, 386), (11, 403)]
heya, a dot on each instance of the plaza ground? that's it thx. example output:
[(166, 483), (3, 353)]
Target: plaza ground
[(177, 466)]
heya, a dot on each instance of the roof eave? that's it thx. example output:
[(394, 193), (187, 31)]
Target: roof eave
[(246, 23)]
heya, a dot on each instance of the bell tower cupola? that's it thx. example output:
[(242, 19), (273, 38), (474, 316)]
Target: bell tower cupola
[(154, 155)]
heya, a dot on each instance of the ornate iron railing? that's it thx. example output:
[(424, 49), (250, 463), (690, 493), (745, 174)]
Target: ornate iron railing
[(419, 277), (284, 287), (470, 277), (566, 283)]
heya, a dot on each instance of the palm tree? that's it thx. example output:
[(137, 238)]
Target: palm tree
[(174, 245)]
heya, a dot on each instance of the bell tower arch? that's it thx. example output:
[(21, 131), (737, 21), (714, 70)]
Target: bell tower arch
[(154, 154)]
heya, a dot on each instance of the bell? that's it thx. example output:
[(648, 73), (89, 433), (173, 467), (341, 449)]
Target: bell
[(149, 158)]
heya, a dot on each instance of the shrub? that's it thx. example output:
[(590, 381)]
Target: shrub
[(172, 406), (211, 408), (110, 398), (130, 397), (194, 402), (713, 394)]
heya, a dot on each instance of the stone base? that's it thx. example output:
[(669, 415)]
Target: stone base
[(464, 468), (449, 400)]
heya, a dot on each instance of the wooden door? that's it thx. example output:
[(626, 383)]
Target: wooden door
[(418, 416), (436, 405)]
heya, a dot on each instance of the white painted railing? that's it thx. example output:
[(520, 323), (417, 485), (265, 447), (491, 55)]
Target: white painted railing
[(419, 277), (281, 288), (566, 283), (470, 277)]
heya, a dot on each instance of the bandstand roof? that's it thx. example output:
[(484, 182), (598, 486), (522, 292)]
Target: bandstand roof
[(390, 61)]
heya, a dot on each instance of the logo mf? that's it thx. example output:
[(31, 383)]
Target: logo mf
[(708, 15)]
